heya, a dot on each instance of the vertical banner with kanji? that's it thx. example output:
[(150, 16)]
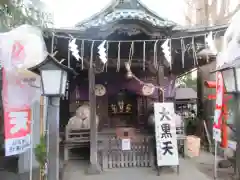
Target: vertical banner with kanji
[(19, 85), (218, 108), (165, 132), (17, 131)]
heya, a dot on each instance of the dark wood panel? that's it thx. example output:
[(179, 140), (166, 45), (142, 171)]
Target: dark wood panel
[(102, 111)]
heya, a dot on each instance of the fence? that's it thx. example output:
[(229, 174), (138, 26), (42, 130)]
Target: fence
[(111, 155)]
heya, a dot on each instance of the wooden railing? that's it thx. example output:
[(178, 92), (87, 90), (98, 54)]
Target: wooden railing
[(75, 139)]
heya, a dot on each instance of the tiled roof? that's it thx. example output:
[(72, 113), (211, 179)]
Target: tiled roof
[(126, 14), (192, 29)]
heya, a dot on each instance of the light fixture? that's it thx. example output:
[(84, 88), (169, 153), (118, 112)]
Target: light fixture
[(53, 76)]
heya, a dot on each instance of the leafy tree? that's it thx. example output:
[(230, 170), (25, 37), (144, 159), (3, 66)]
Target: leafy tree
[(16, 12)]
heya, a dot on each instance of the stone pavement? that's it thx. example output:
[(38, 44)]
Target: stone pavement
[(8, 175), (205, 164), (199, 168), (75, 170)]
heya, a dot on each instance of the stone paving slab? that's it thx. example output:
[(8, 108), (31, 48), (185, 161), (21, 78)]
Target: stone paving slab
[(200, 168), (75, 170), (205, 164), (6, 175)]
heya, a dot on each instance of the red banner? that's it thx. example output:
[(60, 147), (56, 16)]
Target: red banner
[(21, 48), (17, 114), (218, 109)]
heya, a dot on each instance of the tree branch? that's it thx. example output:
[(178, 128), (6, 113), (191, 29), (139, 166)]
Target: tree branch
[(189, 3), (188, 19), (232, 13), (223, 9)]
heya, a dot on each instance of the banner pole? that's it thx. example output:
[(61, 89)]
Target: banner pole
[(31, 149), (215, 160)]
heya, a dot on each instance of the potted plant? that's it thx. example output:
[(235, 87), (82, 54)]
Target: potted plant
[(41, 155)]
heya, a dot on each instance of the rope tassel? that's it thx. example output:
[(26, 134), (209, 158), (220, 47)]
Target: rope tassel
[(183, 48), (82, 53), (194, 52), (155, 62), (119, 57), (131, 52), (144, 55)]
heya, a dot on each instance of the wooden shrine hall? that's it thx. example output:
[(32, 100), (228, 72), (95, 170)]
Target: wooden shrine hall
[(114, 94)]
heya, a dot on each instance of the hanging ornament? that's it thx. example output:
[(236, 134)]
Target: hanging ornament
[(129, 74), (210, 43), (155, 62), (144, 55), (194, 52), (102, 52), (131, 52), (100, 90), (148, 89), (166, 46), (73, 47), (119, 57), (183, 49), (91, 55), (107, 47), (82, 53), (206, 47)]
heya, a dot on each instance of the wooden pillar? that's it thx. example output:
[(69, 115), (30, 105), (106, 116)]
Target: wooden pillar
[(94, 167)]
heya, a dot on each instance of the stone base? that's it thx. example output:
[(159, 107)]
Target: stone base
[(93, 169), (35, 175), (224, 164)]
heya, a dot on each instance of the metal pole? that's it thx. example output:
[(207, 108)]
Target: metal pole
[(215, 160), (31, 148), (53, 132)]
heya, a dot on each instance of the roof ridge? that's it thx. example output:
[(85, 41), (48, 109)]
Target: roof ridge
[(114, 3), (154, 13)]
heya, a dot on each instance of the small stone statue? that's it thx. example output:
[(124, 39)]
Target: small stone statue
[(82, 118)]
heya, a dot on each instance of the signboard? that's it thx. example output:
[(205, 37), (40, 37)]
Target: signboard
[(126, 144), (17, 131), (218, 109), (165, 132)]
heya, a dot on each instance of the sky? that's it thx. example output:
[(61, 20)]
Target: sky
[(69, 12)]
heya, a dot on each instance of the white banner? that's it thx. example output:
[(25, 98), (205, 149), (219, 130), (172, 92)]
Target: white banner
[(165, 132), (21, 48)]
